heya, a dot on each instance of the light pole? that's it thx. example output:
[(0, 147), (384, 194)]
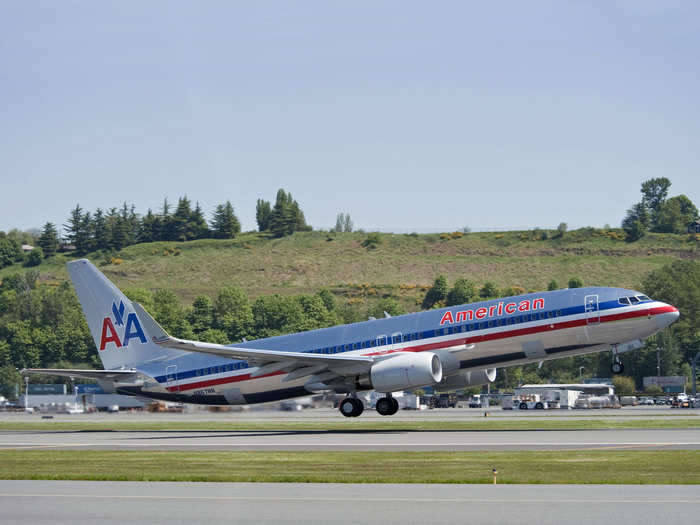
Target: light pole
[(580, 373), (658, 362), (26, 392)]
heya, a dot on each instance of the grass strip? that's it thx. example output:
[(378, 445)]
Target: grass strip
[(351, 425), (583, 466)]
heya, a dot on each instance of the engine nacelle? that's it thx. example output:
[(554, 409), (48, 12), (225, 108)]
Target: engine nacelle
[(467, 379), (406, 370)]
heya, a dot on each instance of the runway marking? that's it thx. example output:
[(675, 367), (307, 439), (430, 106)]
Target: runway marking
[(355, 498)]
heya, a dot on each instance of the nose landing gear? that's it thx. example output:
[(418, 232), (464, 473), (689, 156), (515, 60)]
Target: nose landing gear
[(387, 406), (351, 407), (616, 367)]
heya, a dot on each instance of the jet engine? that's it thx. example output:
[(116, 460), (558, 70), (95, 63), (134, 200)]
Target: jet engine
[(406, 370), (468, 378)]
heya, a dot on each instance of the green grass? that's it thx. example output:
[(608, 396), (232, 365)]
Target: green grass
[(306, 262), (628, 467), (494, 424)]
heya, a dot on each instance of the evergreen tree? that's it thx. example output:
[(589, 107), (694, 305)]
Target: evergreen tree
[(198, 228), (225, 224), (286, 217), (149, 228), (117, 229), (100, 231), (78, 230), (167, 229), (48, 239), (262, 215), (181, 219)]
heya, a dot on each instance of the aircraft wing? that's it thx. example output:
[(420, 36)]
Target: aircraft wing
[(296, 364), (111, 375)]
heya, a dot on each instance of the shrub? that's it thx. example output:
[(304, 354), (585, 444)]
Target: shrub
[(34, 257), (575, 282), (372, 241)]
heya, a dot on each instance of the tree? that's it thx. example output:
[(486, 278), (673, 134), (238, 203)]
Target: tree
[(654, 192), (674, 215), (149, 229), (488, 291), (679, 284), (9, 251), (233, 313), (201, 316), (48, 239), (198, 228), (262, 215), (100, 231), (343, 223), (328, 300), (437, 294), (624, 386), (78, 230), (552, 285), (636, 222), (388, 305), (464, 291), (286, 216), (10, 381), (225, 224)]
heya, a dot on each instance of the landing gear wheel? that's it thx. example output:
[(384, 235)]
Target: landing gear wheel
[(351, 407), (394, 407), (359, 406), (617, 367), (384, 406)]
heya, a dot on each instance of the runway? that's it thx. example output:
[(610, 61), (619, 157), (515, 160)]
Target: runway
[(70, 502), (356, 440)]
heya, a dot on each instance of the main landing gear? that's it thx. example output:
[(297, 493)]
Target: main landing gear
[(616, 367), (387, 406), (351, 407)]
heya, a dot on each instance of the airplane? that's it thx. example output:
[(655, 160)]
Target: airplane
[(446, 348)]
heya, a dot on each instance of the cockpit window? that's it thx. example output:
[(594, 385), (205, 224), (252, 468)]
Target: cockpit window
[(624, 300), (634, 300), (643, 298)]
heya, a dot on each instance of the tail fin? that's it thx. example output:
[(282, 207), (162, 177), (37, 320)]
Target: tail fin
[(119, 336)]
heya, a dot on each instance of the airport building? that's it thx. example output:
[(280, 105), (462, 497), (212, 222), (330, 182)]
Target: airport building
[(669, 384)]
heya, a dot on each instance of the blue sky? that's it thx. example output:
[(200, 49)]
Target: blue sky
[(407, 115)]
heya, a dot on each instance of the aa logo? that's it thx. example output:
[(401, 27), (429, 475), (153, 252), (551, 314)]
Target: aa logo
[(132, 330)]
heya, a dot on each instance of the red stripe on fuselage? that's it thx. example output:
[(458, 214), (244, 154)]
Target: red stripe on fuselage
[(548, 327)]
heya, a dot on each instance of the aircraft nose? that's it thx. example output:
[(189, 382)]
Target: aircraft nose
[(668, 316)]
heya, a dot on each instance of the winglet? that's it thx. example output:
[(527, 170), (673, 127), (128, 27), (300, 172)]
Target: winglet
[(153, 329)]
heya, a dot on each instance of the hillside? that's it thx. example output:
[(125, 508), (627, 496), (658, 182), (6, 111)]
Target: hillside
[(402, 265)]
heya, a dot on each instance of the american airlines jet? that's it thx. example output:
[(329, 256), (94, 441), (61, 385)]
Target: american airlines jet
[(449, 348)]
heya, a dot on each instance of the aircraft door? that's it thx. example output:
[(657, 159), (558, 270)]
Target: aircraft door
[(591, 309), (171, 377)]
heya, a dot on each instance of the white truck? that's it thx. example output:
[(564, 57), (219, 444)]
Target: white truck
[(525, 402)]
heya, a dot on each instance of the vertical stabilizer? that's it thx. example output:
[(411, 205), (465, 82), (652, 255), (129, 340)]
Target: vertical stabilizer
[(119, 336)]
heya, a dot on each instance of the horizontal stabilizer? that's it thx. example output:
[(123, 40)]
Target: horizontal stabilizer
[(111, 375)]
